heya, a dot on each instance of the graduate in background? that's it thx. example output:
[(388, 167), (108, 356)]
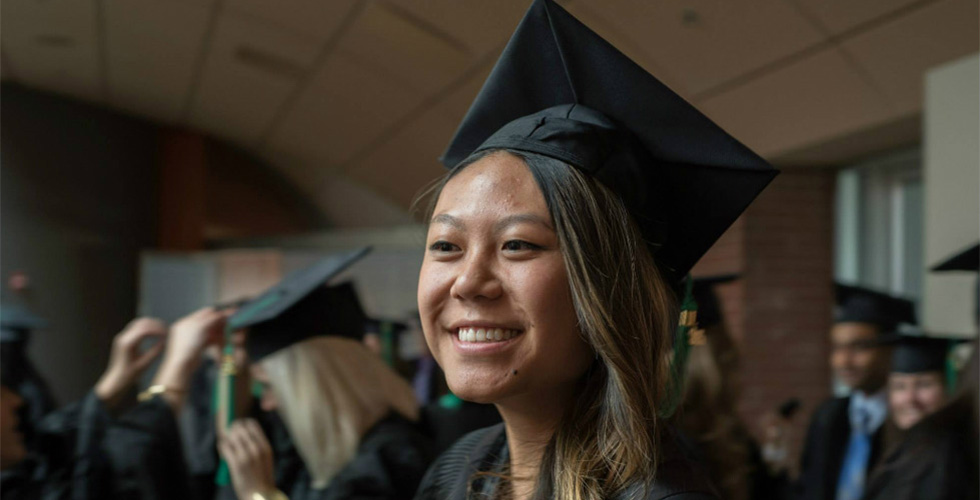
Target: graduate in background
[(17, 324), (917, 382), (938, 455), (350, 416), (845, 438), (72, 448), (708, 415)]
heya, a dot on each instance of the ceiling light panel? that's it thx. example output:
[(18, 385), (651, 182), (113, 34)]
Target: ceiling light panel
[(54, 45), (237, 98), (152, 53)]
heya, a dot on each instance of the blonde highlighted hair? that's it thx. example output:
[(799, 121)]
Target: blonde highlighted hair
[(330, 392), (608, 439)]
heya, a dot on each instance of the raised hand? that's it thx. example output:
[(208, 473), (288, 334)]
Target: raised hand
[(250, 461), (127, 362)]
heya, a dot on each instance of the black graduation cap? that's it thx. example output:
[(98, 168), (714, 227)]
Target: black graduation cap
[(863, 305), (709, 308), (17, 321), (917, 353), (562, 91), (301, 306), (967, 260)]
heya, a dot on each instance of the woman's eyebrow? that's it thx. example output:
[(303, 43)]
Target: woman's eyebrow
[(448, 220), (515, 219)]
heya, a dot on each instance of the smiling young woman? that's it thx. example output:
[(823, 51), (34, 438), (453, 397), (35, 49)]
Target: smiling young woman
[(580, 192), (574, 283)]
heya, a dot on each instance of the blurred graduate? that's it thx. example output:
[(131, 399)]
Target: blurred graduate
[(846, 436)]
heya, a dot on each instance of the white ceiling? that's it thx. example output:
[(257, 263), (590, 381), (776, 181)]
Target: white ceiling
[(366, 93)]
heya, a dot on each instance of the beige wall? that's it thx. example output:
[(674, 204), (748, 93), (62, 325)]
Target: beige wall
[(952, 180)]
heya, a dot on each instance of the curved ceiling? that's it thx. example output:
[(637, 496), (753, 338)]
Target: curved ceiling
[(353, 100)]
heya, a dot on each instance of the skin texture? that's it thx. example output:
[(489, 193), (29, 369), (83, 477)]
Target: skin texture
[(492, 258), (12, 449), (854, 358), (187, 341), (913, 396)]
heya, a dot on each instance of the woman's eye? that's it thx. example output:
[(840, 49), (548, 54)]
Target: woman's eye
[(518, 245), (443, 246)]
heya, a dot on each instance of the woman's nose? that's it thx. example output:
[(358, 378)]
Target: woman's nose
[(477, 279)]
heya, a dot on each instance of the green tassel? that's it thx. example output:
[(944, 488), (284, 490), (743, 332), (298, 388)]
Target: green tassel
[(681, 348), (951, 372), (450, 401), (226, 380)]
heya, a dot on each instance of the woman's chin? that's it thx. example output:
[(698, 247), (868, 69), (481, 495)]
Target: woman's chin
[(478, 389)]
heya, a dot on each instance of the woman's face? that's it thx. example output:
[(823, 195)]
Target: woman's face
[(493, 291), (268, 401), (913, 396)]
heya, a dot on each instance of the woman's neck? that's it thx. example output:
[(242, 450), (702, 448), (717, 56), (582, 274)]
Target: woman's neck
[(530, 422)]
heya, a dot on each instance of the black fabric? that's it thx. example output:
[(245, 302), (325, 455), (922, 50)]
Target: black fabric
[(863, 305), (936, 459), (446, 425), (20, 375), (560, 90), (966, 260), (483, 450), (197, 430), (709, 308), (389, 464), (920, 354), (824, 449), (146, 459), (300, 307), (67, 461)]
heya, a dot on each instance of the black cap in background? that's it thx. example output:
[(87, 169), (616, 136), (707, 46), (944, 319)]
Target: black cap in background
[(709, 307), (918, 353), (862, 305), (302, 306), (966, 260), (17, 321), (562, 91)]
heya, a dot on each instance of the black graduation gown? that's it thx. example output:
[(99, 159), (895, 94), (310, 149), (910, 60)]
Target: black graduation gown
[(481, 451), (446, 425), (824, 449), (389, 464), (145, 455), (936, 460), (67, 461)]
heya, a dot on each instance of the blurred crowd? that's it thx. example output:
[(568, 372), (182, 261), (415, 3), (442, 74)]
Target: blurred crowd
[(328, 416)]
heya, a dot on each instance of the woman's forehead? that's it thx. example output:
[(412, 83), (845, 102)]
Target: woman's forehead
[(497, 185)]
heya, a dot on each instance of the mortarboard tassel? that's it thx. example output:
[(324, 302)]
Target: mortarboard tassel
[(686, 335), (224, 401)]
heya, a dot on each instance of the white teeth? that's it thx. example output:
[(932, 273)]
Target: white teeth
[(467, 334)]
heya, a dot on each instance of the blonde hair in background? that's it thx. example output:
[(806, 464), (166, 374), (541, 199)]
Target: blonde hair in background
[(331, 391)]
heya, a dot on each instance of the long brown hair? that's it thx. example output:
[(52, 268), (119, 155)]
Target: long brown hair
[(708, 413), (607, 440)]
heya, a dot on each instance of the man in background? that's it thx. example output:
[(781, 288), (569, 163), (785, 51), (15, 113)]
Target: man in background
[(844, 440)]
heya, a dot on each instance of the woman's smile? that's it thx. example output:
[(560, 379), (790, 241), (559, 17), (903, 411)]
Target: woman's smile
[(494, 294)]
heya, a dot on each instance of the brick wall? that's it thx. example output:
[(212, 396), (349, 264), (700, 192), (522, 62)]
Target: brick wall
[(780, 311)]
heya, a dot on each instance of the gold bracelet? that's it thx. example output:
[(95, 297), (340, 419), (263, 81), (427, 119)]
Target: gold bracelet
[(272, 495), (154, 391)]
